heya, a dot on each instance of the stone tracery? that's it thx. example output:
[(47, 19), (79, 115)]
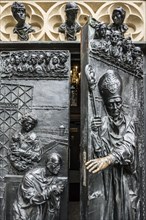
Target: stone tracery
[(46, 17)]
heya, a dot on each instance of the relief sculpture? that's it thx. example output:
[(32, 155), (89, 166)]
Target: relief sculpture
[(25, 147), (34, 136), (109, 43), (113, 143), (35, 64), (39, 193)]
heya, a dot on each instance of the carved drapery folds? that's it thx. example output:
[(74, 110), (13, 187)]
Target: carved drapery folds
[(16, 99), (25, 148), (34, 107), (46, 17), (42, 190), (112, 137)]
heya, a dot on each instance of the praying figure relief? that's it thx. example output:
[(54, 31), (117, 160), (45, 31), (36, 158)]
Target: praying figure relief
[(21, 29), (39, 193), (113, 143), (70, 27), (25, 147)]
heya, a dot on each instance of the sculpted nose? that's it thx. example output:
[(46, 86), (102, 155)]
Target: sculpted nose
[(114, 106)]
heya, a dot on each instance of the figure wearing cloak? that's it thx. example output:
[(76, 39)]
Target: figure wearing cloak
[(114, 150), (38, 196)]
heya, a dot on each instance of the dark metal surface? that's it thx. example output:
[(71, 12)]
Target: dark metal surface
[(35, 65), (25, 146), (39, 194), (108, 42), (112, 129), (34, 119), (70, 27), (21, 29), (72, 47)]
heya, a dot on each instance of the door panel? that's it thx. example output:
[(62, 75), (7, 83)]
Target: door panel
[(34, 120), (112, 134)]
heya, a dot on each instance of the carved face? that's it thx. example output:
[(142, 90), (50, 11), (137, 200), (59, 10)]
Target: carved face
[(55, 60), (48, 57), (71, 16), (63, 59), (12, 60), (117, 18), (40, 59), (17, 60), (137, 52), (129, 45), (20, 15), (116, 37), (139, 60), (108, 35), (114, 106), (54, 167), (28, 124), (103, 30), (33, 59), (24, 57)]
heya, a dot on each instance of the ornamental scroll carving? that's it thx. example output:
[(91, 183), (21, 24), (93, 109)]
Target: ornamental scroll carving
[(46, 17), (35, 64)]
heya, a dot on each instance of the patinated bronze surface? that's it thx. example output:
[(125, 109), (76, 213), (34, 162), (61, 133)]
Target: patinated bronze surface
[(21, 29), (34, 119), (36, 65), (112, 123), (39, 193), (109, 43), (25, 147), (70, 27), (118, 17)]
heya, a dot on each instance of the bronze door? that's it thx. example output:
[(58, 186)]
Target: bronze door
[(112, 128), (34, 127)]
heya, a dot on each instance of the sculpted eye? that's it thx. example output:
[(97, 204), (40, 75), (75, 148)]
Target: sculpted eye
[(110, 105), (118, 103)]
